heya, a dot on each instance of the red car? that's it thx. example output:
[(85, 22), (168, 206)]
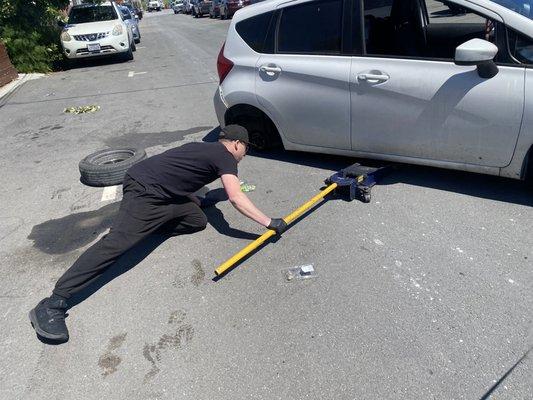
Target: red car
[(230, 7)]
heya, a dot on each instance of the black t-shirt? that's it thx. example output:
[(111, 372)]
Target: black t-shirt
[(184, 170)]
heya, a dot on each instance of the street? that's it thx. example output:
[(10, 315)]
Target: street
[(424, 293)]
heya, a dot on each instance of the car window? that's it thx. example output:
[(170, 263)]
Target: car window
[(92, 14), (523, 7), (254, 30), (520, 47), (402, 28), (125, 13), (311, 28)]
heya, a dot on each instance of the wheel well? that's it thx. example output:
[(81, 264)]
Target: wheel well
[(256, 121)]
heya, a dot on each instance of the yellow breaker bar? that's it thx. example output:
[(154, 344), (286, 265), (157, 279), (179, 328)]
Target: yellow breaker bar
[(268, 234)]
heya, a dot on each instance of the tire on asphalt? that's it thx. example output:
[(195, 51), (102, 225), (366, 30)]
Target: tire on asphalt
[(108, 167), (128, 56)]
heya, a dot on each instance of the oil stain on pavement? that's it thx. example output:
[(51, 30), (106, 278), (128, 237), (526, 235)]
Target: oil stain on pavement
[(110, 361), (199, 274), (181, 334), (196, 278)]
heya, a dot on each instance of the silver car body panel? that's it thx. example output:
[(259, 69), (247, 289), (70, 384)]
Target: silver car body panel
[(446, 117)]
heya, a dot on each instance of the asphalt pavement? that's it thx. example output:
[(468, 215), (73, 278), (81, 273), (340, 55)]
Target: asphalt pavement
[(425, 293)]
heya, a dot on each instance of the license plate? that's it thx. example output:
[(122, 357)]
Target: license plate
[(94, 47)]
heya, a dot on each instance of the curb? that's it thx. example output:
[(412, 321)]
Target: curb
[(22, 78)]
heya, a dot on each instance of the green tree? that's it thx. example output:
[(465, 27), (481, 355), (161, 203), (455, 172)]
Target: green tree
[(29, 30)]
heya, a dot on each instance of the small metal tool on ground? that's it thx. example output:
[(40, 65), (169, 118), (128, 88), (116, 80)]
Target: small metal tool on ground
[(353, 182)]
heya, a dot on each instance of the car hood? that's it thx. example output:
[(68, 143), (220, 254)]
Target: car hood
[(92, 27)]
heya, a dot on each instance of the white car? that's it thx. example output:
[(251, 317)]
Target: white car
[(413, 81), (154, 5), (95, 30)]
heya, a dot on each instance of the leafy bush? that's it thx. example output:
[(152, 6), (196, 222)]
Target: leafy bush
[(29, 31)]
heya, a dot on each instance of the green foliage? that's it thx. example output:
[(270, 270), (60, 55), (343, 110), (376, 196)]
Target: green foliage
[(30, 33)]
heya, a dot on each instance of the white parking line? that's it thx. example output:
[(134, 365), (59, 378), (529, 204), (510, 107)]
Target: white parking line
[(109, 193), (141, 47), (131, 74)]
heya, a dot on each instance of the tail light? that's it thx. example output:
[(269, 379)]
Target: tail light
[(224, 65)]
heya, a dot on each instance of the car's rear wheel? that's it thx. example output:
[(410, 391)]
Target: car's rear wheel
[(108, 167), (260, 133), (133, 46)]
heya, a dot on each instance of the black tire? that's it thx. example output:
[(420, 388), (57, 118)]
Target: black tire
[(260, 133), (108, 167), (128, 56), (69, 63), (133, 46), (137, 41)]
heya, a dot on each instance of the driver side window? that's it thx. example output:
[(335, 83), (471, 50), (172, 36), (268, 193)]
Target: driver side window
[(428, 29)]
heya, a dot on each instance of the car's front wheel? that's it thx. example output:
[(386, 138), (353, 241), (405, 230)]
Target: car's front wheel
[(128, 56)]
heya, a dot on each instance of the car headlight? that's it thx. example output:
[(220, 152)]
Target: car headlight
[(118, 30), (65, 37)]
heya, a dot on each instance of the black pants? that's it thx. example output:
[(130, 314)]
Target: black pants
[(141, 213)]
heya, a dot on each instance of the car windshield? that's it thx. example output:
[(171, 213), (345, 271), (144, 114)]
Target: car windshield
[(92, 14), (523, 7)]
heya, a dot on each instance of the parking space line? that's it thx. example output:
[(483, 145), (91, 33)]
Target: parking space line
[(109, 193), (131, 74)]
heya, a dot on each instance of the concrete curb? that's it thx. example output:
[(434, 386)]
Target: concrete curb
[(10, 87)]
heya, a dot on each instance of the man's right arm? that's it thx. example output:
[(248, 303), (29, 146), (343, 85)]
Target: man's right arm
[(241, 202)]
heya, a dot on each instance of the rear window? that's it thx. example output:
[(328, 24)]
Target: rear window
[(311, 28), (92, 14), (254, 30)]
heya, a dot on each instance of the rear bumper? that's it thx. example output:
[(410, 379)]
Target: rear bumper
[(220, 107)]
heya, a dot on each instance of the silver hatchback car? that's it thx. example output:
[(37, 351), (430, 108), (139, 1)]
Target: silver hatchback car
[(440, 83)]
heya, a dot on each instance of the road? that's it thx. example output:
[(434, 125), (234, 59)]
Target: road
[(425, 293)]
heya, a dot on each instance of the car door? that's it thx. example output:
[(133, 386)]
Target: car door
[(304, 84), (409, 99)]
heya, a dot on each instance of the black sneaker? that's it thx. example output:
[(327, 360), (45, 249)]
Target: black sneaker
[(48, 318)]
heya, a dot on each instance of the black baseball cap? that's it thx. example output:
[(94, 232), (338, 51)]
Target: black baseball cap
[(235, 132)]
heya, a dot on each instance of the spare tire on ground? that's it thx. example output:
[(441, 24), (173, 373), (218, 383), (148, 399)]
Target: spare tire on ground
[(108, 167)]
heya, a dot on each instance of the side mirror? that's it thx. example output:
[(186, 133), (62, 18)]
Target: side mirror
[(61, 23), (480, 53)]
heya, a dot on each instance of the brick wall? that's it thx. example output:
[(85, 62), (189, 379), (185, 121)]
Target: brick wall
[(7, 71)]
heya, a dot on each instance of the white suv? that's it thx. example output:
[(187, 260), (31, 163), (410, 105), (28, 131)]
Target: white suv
[(96, 30), (417, 81)]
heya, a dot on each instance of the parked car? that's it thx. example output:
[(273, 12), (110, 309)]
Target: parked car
[(132, 22), (410, 88), (134, 11), (178, 7), (188, 6), (139, 12), (154, 6), (229, 7), (214, 10), (94, 30), (200, 8)]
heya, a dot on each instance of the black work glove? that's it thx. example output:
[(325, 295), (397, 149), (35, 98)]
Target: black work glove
[(278, 225)]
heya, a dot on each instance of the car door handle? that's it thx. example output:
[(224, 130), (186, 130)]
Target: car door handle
[(270, 69), (373, 77)]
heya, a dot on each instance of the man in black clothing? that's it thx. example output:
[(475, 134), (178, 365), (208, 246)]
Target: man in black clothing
[(158, 198)]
